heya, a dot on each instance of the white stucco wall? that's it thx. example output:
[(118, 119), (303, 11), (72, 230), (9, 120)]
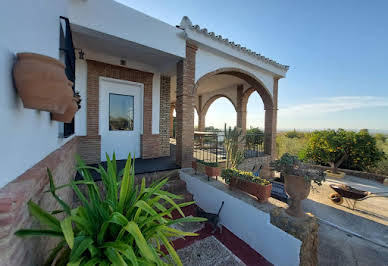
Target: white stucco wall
[(208, 60), (155, 103), (115, 19), (27, 136), (81, 71), (247, 222)]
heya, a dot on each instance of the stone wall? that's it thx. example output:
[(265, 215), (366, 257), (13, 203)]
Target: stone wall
[(14, 213), (366, 175), (254, 163)]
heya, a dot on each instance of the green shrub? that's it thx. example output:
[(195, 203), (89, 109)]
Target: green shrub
[(351, 150), (127, 226), (290, 165), (294, 134), (227, 175), (210, 164), (254, 137)]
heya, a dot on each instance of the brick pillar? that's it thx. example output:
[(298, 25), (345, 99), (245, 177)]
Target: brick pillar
[(201, 115), (172, 107), (271, 123), (241, 110), (185, 108), (241, 114), (164, 121)]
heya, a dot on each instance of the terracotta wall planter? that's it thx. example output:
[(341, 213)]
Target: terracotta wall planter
[(298, 189), (261, 192), (212, 171), (68, 115), (42, 83)]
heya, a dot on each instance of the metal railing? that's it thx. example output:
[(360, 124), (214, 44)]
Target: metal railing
[(209, 146)]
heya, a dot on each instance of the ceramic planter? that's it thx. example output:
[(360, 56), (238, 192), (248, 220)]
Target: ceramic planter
[(337, 175), (194, 165), (257, 190), (297, 189), (42, 83), (68, 115), (212, 171)]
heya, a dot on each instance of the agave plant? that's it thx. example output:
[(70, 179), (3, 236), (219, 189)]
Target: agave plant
[(126, 226), (233, 141)]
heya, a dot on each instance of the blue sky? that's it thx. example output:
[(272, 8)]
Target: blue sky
[(337, 52)]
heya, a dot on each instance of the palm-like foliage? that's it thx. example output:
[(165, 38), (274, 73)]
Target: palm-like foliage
[(127, 226)]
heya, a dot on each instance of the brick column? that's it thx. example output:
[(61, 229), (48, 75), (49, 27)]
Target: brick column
[(201, 115), (271, 123), (241, 110), (172, 107), (164, 121), (241, 114), (185, 108)]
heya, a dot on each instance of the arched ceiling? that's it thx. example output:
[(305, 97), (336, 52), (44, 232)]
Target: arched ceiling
[(211, 83)]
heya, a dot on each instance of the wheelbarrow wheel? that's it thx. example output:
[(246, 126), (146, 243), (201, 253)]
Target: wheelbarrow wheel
[(336, 198)]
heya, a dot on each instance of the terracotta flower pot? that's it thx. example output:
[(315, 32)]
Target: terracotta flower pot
[(297, 189), (212, 171), (257, 190), (42, 83), (68, 115), (194, 166)]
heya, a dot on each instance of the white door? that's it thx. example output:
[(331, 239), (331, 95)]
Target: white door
[(121, 117)]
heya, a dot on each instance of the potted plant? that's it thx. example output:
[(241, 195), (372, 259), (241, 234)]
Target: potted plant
[(249, 183), (211, 169), (194, 165), (297, 180), (42, 83), (118, 227), (72, 108)]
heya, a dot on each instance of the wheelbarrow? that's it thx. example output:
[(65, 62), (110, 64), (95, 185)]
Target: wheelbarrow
[(351, 196)]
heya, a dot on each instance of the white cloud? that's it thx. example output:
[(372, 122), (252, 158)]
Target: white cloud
[(335, 104)]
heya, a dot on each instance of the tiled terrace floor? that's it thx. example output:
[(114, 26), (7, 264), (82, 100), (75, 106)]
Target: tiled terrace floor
[(215, 249)]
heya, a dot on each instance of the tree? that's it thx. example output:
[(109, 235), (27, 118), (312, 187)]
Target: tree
[(353, 150), (294, 134), (254, 137), (380, 137)]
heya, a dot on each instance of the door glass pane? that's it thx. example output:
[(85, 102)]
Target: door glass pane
[(121, 112)]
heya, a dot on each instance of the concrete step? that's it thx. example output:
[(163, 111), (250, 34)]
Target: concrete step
[(175, 186)]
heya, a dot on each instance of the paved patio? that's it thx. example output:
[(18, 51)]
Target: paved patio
[(370, 220), (219, 249)]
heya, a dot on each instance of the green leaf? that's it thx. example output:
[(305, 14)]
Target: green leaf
[(32, 232), (115, 257), (75, 263), (81, 243), (169, 248), (141, 243), (54, 252), (67, 230), (93, 262), (126, 184), (43, 216)]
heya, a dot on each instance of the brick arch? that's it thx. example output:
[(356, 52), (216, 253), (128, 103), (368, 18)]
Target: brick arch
[(244, 101), (246, 76), (209, 102)]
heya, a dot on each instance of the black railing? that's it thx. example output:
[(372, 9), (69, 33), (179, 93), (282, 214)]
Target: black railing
[(209, 146)]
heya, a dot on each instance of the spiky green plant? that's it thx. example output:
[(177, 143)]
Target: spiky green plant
[(232, 142), (127, 226)]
